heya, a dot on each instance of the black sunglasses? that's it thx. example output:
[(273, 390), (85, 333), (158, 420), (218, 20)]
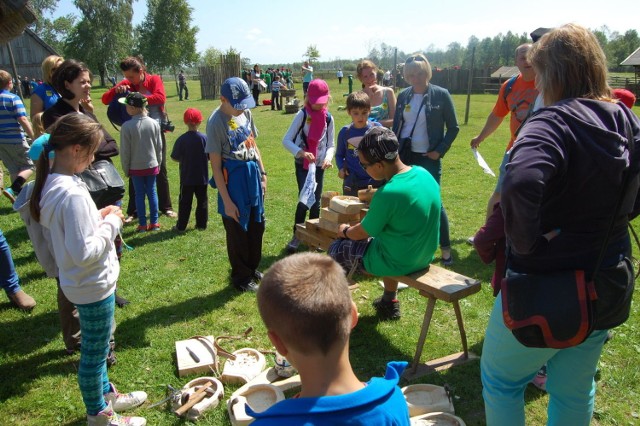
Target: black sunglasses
[(414, 58)]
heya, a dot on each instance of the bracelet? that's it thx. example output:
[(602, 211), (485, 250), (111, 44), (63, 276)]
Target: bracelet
[(344, 231)]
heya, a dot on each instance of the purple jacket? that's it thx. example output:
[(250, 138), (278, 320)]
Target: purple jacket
[(565, 173)]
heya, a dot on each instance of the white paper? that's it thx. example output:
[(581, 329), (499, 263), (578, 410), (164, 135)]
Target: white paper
[(482, 163), (307, 194)]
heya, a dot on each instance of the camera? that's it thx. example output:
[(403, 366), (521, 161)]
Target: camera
[(167, 126)]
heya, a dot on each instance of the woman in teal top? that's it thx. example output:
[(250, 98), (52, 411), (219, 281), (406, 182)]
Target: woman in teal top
[(383, 99)]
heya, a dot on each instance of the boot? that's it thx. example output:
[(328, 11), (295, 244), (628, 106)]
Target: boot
[(22, 300), (108, 417)]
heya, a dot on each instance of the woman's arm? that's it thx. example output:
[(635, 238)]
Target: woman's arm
[(391, 105), (37, 105), (154, 84)]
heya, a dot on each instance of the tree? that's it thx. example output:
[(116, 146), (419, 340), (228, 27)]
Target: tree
[(312, 53), (55, 33), (210, 57), (103, 35), (166, 38), (41, 7)]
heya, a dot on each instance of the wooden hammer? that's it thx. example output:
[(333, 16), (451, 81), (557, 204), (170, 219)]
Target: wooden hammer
[(196, 397)]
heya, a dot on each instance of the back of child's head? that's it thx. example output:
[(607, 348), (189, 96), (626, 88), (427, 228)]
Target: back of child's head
[(68, 130), (38, 125), (192, 116), (318, 92), (358, 100), (5, 79), (379, 144), (305, 300)]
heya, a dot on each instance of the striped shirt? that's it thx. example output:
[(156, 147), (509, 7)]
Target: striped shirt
[(11, 108)]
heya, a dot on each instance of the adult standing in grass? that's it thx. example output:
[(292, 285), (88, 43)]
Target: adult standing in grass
[(307, 76), (137, 79), (516, 95), (383, 99), (564, 176), (426, 119), (241, 180), (45, 95), (256, 78)]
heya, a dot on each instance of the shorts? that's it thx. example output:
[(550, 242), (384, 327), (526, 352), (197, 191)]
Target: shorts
[(501, 172), (15, 157), (349, 253)]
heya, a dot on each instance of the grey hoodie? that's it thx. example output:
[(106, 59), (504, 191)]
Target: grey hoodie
[(82, 239)]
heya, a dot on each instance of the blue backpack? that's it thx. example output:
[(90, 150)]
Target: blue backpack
[(117, 112)]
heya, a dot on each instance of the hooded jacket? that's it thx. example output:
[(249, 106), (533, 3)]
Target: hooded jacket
[(82, 239), (565, 173)]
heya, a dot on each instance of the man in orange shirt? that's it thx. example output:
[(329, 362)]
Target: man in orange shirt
[(514, 97)]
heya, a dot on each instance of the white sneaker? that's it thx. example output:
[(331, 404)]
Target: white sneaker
[(108, 417), (401, 285), (124, 401)]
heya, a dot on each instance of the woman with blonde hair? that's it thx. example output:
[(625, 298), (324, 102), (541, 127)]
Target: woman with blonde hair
[(44, 94), (565, 175), (425, 119), (383, 99)]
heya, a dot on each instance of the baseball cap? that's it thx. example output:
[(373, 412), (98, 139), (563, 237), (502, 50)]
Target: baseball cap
[(539, 32), (134, 99), (192, 115), (318, 92), (237, 92), (379, 143), (624, 96)]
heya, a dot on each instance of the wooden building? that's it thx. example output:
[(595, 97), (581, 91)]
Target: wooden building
[(634, 61), (28, 52)]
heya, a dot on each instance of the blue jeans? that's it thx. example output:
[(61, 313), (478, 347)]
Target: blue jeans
[(9, 280), (435, 168), (507, 367), (96, 321), (146, 185)]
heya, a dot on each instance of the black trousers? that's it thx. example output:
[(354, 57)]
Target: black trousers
[(186, 91), (162, 186), (184, 205), (244, 248), (275, 101), (255, 91)]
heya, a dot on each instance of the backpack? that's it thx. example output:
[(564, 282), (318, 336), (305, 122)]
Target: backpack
[(509, 87), (304, 120), (117, 112)]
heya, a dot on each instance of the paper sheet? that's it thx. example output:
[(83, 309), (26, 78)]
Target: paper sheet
[(482, 163)]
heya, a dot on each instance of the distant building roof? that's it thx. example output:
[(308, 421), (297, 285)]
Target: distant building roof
[(633, 59), (505, 72)]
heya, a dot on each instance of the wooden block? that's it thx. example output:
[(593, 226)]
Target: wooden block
[(202, 348), (313, 239), (326, 197), (313, 225), (331, 227), (335, 217), (346, 204)]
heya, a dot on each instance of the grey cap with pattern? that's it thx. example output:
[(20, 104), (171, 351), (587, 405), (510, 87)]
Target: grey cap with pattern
[(379, 143)]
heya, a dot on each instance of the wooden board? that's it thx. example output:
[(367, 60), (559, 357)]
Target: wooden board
[(335, 217), (203, 348), (438, 364), (313, 239), (441, 283), (331, 228)]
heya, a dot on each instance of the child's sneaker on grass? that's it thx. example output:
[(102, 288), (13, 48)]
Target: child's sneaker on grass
[(153, 227), (8, 192), (540, 379), (387, 310), (142, 228), (108, 417), (124, 401)]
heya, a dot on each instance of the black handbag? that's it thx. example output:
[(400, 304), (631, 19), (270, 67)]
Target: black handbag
[(404, 148), (560, 309), (104, 183)]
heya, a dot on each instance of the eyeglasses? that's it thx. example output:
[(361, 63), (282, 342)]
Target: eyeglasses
[(365, 165), (415, 58)]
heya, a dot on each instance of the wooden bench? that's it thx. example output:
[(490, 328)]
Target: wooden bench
[(435, 283)]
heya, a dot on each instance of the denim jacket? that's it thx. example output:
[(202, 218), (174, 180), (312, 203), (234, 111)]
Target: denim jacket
[(438, 110)]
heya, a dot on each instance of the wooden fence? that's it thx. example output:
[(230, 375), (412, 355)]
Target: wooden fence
[(212, 77)]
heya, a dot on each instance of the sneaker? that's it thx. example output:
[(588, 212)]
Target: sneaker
[(540, 379), (293, 245), (470, 241), (108, 417), (257, 275), (153, 227), (448, 261), (22, 300), (124, 401), (387, 310), (8, 192), (170, 213), (142, 228), (175, 228), (251, 286)]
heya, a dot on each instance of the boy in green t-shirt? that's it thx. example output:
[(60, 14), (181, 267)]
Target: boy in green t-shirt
[(399, 234)]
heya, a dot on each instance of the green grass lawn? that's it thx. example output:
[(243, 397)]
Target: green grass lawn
[(178, 286)]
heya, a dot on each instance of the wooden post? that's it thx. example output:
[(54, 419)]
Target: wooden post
[(15, 72), (469, 84)]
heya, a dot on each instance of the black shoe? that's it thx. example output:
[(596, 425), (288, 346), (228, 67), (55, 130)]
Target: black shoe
[(387, 310), (250, 286), (121, 301), (257, 275)]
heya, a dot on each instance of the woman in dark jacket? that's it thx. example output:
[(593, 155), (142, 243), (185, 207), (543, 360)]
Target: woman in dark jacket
[(425, 113), (562, 182)]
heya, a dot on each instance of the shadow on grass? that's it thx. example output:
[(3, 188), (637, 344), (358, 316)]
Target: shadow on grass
[(27, 334), (131, 333)]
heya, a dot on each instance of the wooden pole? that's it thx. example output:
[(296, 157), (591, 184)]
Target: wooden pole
[(469, 84), (15, 72)]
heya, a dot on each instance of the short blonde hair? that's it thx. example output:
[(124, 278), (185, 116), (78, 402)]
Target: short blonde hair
[(5, 79), (305, 300), (418, 62), (48, 66), (366, 63), (570, 63)]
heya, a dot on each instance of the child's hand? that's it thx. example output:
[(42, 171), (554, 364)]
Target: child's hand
[(112, 210), (342, 173), (306, 155), (122, 88), (232, 211), (326, 164)]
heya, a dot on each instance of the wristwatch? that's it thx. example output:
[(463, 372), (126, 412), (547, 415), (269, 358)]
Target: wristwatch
[(344, 231)]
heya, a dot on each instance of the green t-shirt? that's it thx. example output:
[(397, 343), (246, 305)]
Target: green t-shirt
[(404, 221)]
